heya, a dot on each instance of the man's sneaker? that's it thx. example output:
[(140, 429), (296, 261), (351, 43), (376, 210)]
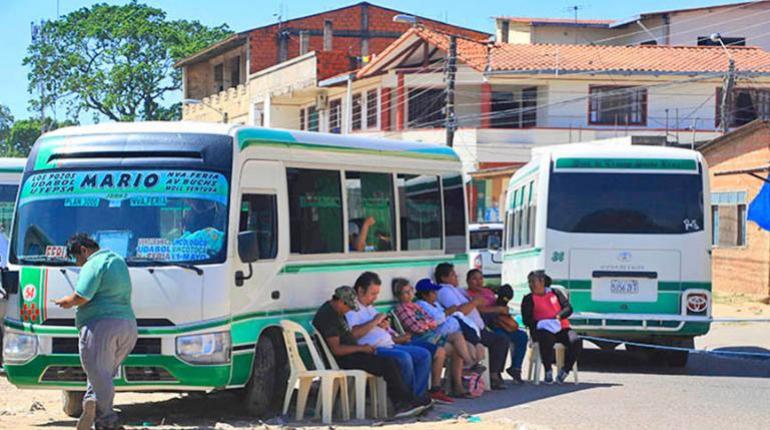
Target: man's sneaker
[(86, 420), (548, 377), (561, 376), (439, 396), (515, 374), (407, 410)]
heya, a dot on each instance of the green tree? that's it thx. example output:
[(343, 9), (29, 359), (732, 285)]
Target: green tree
[(115, 60), (23, 134), (6, 121)]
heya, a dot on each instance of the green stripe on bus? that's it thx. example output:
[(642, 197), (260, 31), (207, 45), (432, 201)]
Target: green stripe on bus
[(585, 284), (351, 150), (370, 265), (11, 169), (626, 163), (524, 253), (30, 374)]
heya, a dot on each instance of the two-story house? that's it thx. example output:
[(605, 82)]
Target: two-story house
[(739, 24), (232, 75)]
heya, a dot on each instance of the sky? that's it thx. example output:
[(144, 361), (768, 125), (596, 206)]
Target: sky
[(16, 16)]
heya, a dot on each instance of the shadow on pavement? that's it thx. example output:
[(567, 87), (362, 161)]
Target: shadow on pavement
[(700, 364), (206, 411)]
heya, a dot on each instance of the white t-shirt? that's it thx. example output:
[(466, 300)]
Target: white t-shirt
[(376, 337), (449, 296)]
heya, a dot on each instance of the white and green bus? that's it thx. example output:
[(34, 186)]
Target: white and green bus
[(226, 231), (623, 230)]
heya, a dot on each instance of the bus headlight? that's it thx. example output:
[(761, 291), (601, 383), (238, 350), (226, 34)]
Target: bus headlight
[(18, 348), (209, 348)]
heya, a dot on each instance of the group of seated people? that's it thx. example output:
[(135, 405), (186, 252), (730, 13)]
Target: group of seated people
[(445, 322)]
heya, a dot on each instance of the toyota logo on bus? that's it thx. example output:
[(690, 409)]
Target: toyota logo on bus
[(697, 303), (624, 257)]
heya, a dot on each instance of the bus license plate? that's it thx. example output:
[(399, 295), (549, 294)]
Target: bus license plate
[(624, 286)]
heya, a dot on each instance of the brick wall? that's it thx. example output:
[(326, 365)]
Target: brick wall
[(742, 269), (265, 41)]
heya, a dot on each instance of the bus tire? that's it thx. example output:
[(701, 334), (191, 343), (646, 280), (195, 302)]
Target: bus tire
[(263, 394), (72, 403)]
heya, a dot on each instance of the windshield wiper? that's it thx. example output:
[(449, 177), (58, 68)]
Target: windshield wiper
[(56, 261), (155, 262)]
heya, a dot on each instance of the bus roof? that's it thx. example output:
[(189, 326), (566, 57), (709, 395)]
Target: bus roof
[(614, 150), (255, 136), (12, 165)]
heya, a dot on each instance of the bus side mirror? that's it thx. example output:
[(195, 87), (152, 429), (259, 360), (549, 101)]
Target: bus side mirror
[(9, 282), (248, 246), (248, 251)]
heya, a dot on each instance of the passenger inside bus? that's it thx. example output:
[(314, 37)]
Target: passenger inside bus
[(357, 236)]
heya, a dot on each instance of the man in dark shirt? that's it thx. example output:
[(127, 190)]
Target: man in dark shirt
[(330, 321)]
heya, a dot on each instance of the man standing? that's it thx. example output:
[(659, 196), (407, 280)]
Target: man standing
[(331, 324), (106, 325)]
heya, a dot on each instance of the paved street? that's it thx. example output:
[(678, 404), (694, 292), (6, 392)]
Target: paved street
[(617, 390)]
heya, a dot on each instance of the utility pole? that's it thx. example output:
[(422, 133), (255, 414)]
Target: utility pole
[(727, 96), (451, 71)]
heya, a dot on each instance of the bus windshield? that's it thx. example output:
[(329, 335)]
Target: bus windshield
[(625, 203), (144, 215)]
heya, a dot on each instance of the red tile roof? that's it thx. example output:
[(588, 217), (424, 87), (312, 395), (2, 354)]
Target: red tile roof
[(540, 58)]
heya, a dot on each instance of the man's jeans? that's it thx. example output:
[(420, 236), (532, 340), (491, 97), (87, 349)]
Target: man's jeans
[(104, 344), (414, 362)]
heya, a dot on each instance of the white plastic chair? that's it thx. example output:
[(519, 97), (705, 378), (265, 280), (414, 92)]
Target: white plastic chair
[(331, 380), (535, 362), (378, 389)]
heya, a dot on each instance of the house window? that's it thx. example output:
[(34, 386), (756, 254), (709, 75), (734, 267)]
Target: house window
[(651, 42), (728, 211), (356, 112), (371, 109), (505, 28), (335, 116), (746, 106), (426, 108), (235, 71), (729, 41), (315, 211), (312, 119), (302, 125), (514, 109), (617, 105), (219, 78)]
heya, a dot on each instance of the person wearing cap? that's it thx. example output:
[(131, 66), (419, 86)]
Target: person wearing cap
[(498, 319), (454, 298), (423, 327), (331, 324), (545, 311)]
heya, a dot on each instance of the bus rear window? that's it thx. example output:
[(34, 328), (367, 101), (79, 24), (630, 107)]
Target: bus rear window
[(625, 203)]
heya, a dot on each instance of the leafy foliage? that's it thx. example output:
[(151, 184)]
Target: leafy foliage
[(115, 59), (23, 134)]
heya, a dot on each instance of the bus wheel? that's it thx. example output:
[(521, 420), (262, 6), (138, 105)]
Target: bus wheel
[(263, 395), (72, 403)]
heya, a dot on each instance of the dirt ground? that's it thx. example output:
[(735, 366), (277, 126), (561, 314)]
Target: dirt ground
[(22, 409)]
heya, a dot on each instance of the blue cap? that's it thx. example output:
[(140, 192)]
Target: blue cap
[(426, 285)]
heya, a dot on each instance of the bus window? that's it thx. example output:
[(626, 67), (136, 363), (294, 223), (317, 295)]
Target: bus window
[(371, 213), (602, 203), (259, 214), (315, 211), (420, 211), (454, 214)]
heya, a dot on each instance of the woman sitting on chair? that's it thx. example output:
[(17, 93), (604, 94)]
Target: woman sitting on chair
[(545, 311)]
